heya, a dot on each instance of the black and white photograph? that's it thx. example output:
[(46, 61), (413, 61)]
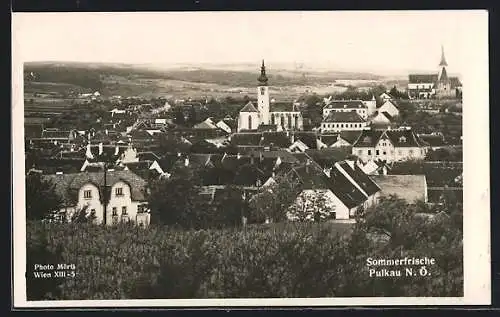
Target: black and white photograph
[(250, 158)]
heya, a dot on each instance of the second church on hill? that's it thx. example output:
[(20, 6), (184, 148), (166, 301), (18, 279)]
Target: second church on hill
[(281, 116)]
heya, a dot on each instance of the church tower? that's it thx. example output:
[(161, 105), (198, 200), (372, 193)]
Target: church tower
[(443, 76), (443, 84), (263, 96)]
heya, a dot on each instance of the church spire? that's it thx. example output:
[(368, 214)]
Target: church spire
[(443, 59), (262, 78)]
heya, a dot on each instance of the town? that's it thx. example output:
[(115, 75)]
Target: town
[(105, 155)]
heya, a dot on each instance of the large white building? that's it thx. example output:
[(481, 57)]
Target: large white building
[(284, 116), (389, 145), (343, 121)]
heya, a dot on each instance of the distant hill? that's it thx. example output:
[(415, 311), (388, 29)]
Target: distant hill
[(90, 75)]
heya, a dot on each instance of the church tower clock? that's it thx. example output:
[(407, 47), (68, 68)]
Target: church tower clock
[(263, 96)]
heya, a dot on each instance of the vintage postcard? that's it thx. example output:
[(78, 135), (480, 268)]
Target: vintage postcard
[(228, 159)]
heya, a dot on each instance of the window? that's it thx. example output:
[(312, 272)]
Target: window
[(249, 122), (119, 191), (92, 213), (262, 91), (360, 152), (115, 211), (124, 210), (377, 152), (369, 152), (384, 153), (342, 125), (87, 194)]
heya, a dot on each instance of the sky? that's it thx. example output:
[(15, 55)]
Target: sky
[(379, 42)]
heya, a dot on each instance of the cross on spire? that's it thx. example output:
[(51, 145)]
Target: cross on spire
[(443, 59)]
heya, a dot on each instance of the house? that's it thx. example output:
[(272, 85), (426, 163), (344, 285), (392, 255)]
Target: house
[(373, 167), (360, 180), (389, 145), (114, 196), (384, 97), (57, 136), (340, 194), (408, 187), (221, 124), (298, 146), (382, 119), (357, 106), (390, 107), (207, 124), (342, 139), (338, 121)]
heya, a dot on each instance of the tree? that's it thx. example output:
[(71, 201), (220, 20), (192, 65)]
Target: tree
[(272, 201), (229, 206), (42, 200), (177, 201), (311, 206)]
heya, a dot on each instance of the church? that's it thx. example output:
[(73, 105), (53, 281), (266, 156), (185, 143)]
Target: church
[(438, 85), (273, 115)]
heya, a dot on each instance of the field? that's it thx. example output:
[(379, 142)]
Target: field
[(130, 80)]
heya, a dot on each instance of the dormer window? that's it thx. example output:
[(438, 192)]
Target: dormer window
[(119, 191), (87, 194), (402, 139)]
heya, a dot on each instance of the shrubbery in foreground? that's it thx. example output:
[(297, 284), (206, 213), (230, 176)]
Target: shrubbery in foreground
[(277, 260)]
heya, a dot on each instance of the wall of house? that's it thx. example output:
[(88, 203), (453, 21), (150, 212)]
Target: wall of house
[(243, 121), (129, 155), (391, 153), (389, 108), (92, 203), (342, 126), (371, 106), (307, 197), (380, 119)]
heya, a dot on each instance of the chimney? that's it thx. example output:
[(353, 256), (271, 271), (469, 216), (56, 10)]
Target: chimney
[(292, 138), (106, 131), (178, 154), (59, 173), (117, 149), (238, 155), (100, 148)]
